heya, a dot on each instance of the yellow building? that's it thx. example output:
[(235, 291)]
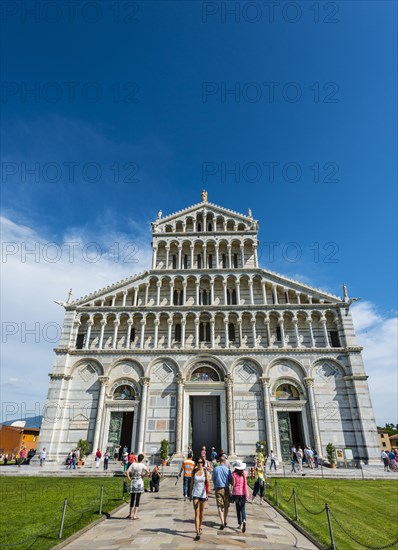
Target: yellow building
[(384, 441)]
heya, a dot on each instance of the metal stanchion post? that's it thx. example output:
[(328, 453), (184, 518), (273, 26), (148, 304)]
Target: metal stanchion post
[(101, 499), (322, 470), (276, 494), (295, 504), (61, 527), (362, 473), (284, 473), (332, 543)]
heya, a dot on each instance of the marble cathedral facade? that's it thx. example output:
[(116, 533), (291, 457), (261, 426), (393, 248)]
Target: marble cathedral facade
[(207, 348)]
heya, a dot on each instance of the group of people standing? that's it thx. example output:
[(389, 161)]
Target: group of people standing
[(390, 460), (230, 485), (300, 456)]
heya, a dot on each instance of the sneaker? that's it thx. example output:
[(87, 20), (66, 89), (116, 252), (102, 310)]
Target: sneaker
[(239, 526), (244, 527), (221, 527)]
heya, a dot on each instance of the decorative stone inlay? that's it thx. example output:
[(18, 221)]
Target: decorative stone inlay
[(246, 372), (163, 372), (326, 371)]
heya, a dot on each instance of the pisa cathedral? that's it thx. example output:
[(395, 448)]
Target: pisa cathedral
[(206, 348)]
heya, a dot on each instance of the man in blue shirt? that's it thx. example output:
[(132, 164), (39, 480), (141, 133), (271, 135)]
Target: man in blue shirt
[(222, 478)]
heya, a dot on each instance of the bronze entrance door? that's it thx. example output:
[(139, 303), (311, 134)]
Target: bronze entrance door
[(290, 432), (205, 426)]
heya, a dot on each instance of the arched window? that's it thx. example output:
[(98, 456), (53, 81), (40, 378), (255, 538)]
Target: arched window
[(199, 260), (177, 332), (204, 332), (174, 261), (231, 332), (124, 393), (199, 226), (132, 334), (286, 392), (210, 227)]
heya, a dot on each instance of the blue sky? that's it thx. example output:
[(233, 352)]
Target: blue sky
[(147, 124)]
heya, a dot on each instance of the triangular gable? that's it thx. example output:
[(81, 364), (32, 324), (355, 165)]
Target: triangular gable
[(210, 207)]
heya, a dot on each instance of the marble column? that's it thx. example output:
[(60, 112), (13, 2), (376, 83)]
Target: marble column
[(158, 285), (130, 323), (240, 331), (155, 251), (180, 401), (196, 321), (296, 331), (143, 323), (282, 327), (146, 292), (251, 291), (275, 294), (155, 338), (116, 324), (267, 326), (325, 332), (183, 325), (255, 256), (101, 338), (212, 291), (90, 323), (226, 332), (237, 284), (242, 254), (309, 382), (167, 256), (100, 409), (179, 265), (169, 329), (143, 409), (230, 416), (264, 292), (197, 299), (171, 292), (212, 333), (184, 292), (124, 298), (217, 256), (312, 339), (136, 291), (192, 256), (225, 292), (267, 413), (229, 248), (253, 322)]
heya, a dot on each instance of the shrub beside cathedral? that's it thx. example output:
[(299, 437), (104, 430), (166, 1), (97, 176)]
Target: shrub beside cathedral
[(206, 348)]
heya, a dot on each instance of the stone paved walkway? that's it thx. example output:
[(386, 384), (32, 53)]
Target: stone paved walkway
[(166, 521)]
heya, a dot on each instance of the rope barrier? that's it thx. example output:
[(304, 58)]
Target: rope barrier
[(390, 545), (310, 511), (287, 499), (90, 509)]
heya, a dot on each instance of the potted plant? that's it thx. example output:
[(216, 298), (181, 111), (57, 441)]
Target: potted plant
[(331, 453), (164, 451), (84, 447)]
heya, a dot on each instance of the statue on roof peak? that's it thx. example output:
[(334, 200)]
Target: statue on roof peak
[(204, 196)]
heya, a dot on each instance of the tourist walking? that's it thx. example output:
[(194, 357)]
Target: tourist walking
[(116, 452), (259, 481), (125, 460), (222, 478), (135, 474), (199, 490), (106, 459), (154, 480), (213, 455), (273, 460), (240, 493), (98, 456), (186, 468), (43, 456), (315, 457), (384, 458), (299, 455)]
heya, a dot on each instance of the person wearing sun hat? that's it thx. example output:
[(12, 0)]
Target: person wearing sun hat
[(240, 493)]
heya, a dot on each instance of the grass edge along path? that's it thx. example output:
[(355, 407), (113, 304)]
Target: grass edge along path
[(367, 511), (32, 508)]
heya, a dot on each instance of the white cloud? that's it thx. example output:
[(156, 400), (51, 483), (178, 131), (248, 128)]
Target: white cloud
[(378, 334), (31, 282)]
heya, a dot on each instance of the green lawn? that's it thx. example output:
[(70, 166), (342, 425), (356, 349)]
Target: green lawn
[(28, 504), (368, 510)]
